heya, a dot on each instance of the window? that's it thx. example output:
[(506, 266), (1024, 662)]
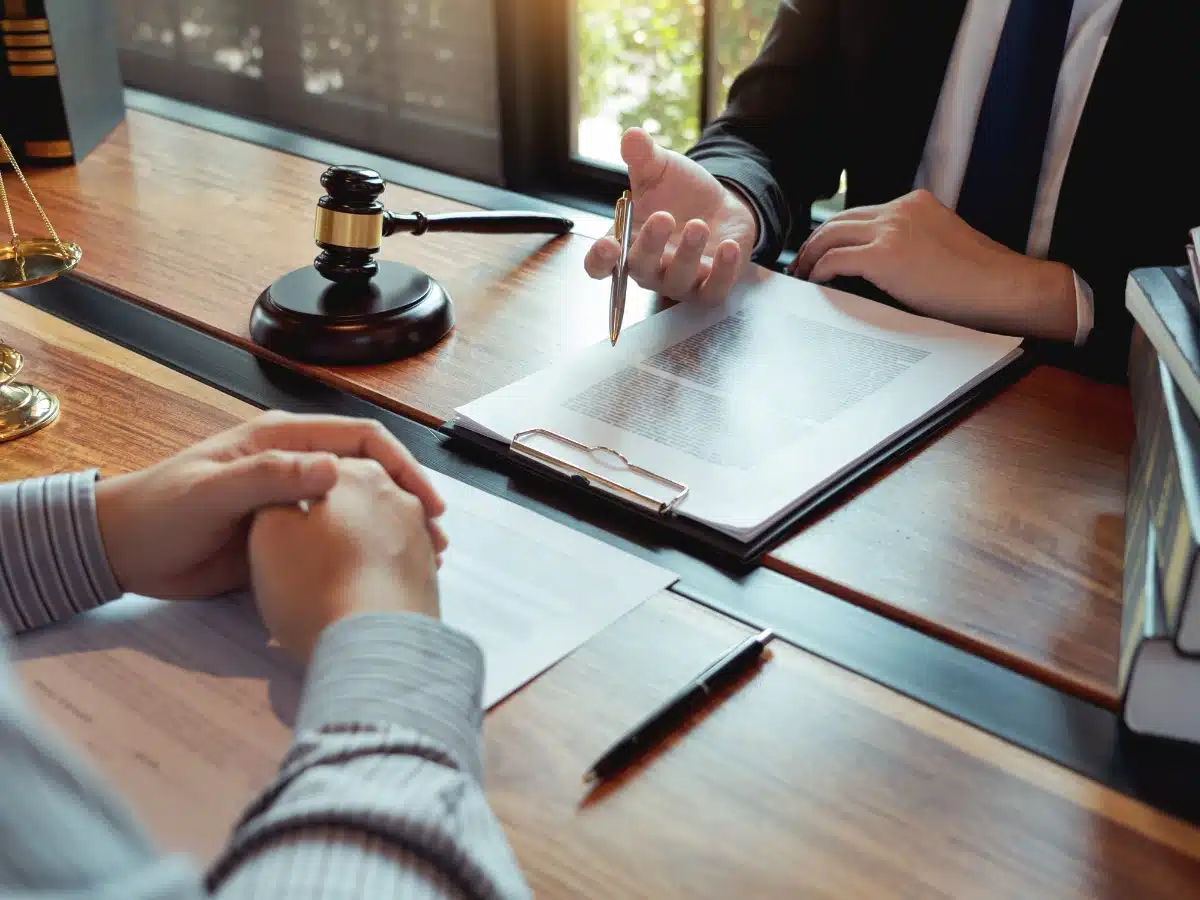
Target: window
[(412, 79), (665, 65), (529, 94)]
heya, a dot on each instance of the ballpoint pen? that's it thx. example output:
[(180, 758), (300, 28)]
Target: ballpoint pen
[(623, 231), (732, 664)]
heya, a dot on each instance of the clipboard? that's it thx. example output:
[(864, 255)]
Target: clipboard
[(655, 507)]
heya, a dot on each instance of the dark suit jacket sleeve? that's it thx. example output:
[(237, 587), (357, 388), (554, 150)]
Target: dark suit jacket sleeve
[(780, 138)]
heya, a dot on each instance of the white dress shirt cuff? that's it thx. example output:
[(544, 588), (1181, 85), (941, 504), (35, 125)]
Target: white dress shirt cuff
[(1085, 310)]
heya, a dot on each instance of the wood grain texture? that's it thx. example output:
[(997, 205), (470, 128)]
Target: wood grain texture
[(1005, 535), (119, 411), (196, 225), (805, 780)]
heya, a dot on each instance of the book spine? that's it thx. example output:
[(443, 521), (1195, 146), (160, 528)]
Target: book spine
[(1162, 474), (30, 64), (1150, 415), (1143, 389), (1176, 538), (1181, 537), (1134, 604), (1147, 623)]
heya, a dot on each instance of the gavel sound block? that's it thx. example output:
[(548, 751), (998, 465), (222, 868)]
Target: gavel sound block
[(348, 308)]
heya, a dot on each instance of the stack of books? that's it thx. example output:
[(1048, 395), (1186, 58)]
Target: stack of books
[(1159, 670)]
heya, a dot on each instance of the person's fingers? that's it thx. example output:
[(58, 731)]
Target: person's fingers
[(854, 214), (857, 214), (842, 233), (601, 257), (270, 478), (349, 437), (645, 255), (437, 534), (646, 161), (843, 261), (681, 274), (726, 264)]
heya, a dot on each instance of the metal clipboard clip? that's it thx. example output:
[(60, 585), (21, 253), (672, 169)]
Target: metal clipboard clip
[(522, 446)]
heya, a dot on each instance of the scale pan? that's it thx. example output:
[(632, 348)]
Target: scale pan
[(35, 260)]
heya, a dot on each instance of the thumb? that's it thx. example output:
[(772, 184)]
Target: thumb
[(646, 160), (270, 478)]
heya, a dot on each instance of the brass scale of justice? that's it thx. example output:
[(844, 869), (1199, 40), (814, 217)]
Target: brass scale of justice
[(346, 308), (25, 408)]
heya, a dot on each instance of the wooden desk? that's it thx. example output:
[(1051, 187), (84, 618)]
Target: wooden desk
[(806, 781), (1004, 537), (196, 225)]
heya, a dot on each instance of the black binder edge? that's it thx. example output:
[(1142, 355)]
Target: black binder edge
[(715, 546)]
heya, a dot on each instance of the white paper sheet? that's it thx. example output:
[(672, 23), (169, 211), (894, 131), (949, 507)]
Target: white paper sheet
[(528, 589), (754, 405), (188, 706)]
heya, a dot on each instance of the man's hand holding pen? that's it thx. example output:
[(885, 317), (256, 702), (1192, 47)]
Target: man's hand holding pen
[(692, 235)]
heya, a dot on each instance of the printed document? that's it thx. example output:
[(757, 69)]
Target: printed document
[(754, 405)]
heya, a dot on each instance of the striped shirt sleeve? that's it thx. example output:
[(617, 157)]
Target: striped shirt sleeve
[(379, 796), (52, 559), (382, 782)]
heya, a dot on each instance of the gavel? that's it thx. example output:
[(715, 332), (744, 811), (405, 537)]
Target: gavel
[(348, 308)]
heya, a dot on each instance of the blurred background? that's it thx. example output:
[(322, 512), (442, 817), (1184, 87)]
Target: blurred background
[(641, 64), (529, 94)]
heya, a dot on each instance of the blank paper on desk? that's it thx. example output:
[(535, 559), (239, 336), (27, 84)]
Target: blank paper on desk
[(187, 706), (526, 589), (530, 590)]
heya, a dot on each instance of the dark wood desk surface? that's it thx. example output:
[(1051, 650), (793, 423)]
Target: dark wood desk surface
[(1004, 537), (807, 780)]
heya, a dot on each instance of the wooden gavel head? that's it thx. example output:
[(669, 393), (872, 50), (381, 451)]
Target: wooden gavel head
[(349, 223), (349, 309), (352, 222)]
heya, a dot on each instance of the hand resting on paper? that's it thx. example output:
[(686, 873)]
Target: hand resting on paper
[(178, 530), (925, 256), (363, 548), (692, 234)]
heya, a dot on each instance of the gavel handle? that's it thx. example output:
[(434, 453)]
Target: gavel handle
[(477, 223)]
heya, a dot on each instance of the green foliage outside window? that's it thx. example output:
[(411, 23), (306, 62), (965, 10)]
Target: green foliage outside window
[(641, 62)]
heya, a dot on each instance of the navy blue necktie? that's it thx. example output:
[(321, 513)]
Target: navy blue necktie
[(1000, 184)]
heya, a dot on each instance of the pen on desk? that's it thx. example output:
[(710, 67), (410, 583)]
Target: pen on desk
[(733, 663), (623, 232)]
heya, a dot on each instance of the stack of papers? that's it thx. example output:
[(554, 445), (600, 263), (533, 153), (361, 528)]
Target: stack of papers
[(754, 406)]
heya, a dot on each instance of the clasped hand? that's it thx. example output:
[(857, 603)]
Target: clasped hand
[(180, 529)]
